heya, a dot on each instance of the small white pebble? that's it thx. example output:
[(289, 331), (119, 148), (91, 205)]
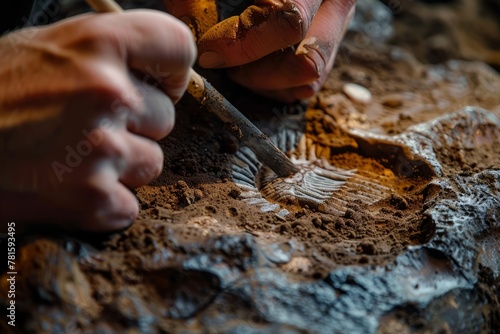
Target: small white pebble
[(298, 264), (357, 93)]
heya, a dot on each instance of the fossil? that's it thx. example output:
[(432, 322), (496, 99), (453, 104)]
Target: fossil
[(318, 184), (329, 189)]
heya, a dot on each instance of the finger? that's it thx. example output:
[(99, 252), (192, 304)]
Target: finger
[(320, 46), (260, 30), (13, 208), (71, 211), (143, 161), (199, 15), (118, 209), (161, 46), (153, 43), (99, 202), (154, 118), (311, 62), (280, 70), (95, 203), (135, 159)]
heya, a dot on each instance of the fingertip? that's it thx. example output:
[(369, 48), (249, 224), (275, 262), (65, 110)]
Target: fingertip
[(293, 94), (211, 59), (312, 58), (117, 216), (130, 209), (214, 45), (124, 222), (144, 162), (255, 33), (104, 203), (175, 87), (307, 91), (126, 207), (186, 34)]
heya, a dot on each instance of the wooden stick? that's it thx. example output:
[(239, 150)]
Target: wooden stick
[(216, 103), (105, 6), (244, 130)]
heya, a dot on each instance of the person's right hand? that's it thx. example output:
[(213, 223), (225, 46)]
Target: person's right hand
[(77, 128), (283, 49)]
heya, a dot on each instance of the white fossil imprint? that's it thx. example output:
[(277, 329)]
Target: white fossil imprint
[(330, 189), (318, 184)]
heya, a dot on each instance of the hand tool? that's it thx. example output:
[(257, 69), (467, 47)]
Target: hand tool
[(215, 103)]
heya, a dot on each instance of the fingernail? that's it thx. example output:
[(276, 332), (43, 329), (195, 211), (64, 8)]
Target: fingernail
[(311, 49), (211, 59)]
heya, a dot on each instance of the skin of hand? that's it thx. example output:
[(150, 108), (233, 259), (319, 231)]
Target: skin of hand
[(283, 49), (77, 128)]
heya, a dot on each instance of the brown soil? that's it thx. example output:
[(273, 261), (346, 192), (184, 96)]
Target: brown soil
[(195, 183)]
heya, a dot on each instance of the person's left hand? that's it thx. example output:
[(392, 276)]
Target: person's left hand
[(279, 48)]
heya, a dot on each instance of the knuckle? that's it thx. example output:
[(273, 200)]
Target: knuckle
[(102, 77), (83, 56), (186, 37), (109, 87), (111, 147), (97, 62), (89, 34), (151, 168)]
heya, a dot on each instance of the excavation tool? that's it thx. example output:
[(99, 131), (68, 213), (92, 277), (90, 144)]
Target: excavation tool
[(215, 102)]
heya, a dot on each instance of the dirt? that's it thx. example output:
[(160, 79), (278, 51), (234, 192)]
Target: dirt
[(365, 235), (199, 16), (204, 257), (452, 30)]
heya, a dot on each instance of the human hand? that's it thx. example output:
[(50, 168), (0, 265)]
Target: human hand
[(279, 48), (77, 129)]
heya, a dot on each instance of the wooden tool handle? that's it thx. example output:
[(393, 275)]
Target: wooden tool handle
[(196, 86), (104, 6)]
